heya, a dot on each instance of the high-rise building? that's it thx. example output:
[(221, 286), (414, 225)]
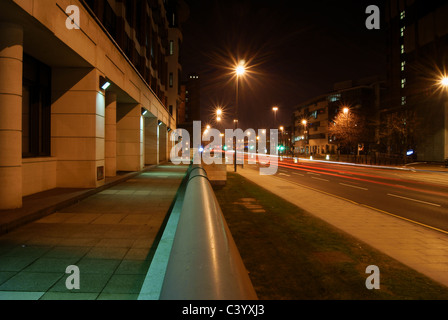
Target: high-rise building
[(87, 88), (417, 59), (190, 109)]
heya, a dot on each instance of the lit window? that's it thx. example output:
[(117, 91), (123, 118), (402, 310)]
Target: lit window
[(403, 82), (402, 31), (403, 64), (403, 101), (335, 97), (171, 47), (402, 48), (402, 15)]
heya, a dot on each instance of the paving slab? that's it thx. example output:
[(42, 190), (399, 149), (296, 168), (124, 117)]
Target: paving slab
[(109, 234)]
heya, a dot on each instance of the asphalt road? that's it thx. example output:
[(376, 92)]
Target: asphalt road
[(418, 196)]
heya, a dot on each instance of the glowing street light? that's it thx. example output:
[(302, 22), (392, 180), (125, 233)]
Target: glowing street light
[(345, 110), (240, 69), (275, 109), (444, 81)]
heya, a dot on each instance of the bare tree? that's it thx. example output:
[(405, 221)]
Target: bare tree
[(398, 131), (347, 130)]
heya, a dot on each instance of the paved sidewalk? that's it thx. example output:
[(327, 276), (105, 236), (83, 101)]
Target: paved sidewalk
[(109, 236), (418, 247)]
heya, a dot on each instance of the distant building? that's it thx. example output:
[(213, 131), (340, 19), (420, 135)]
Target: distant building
[(417, 58), (81, 99), (190, 107), (312, 118)]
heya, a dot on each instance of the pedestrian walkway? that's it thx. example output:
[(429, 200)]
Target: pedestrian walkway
[(423, 249), (109, 234)]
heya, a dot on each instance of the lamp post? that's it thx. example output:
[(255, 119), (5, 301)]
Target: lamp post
[(218, 114), (304, 122), (281, 129), (346, 112), (275, 109), (444, 85), (239, 71)]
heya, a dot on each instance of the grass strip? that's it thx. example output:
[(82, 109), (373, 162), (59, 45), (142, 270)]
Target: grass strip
[(292, 255)]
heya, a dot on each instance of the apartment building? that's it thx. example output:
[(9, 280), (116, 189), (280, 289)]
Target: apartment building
[(312, 118), (417, 60)]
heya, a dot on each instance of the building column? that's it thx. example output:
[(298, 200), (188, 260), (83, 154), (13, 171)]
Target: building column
[(129, 137), (110, 152), (151, 140), (77, 127), (163, 142), (11, 66)]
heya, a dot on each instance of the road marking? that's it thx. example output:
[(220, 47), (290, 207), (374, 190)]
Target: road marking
[(429, 203), (403, 218), (284, 174), (367, 206), (320, 179), (317, 174), (349, 185), (299, 174)]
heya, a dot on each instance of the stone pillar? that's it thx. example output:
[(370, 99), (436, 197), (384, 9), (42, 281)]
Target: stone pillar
[(163, 142), (151, 140), (110, 152), (77, 127), (11, 66), (129, 137)]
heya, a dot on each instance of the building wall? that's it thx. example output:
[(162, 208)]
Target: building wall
[(92, 132), (363, 97), (417, 46)]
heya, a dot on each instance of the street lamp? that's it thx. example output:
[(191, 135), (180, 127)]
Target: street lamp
[(304, 122), (281, 129), (444, 85), (444, 82), (239, 71), (275, 109)]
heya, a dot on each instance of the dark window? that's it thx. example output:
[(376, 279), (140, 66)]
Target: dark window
[(171, 109), (139, 31), (130, 12), (36, 108), (110, 20), (90, 3)]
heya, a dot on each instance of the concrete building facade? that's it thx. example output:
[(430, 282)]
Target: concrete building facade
[(84, 92)]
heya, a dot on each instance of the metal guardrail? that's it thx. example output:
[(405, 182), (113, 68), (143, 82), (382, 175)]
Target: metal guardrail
[(204, 262)]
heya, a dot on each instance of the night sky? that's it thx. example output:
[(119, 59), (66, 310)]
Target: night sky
[(295, 51)]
